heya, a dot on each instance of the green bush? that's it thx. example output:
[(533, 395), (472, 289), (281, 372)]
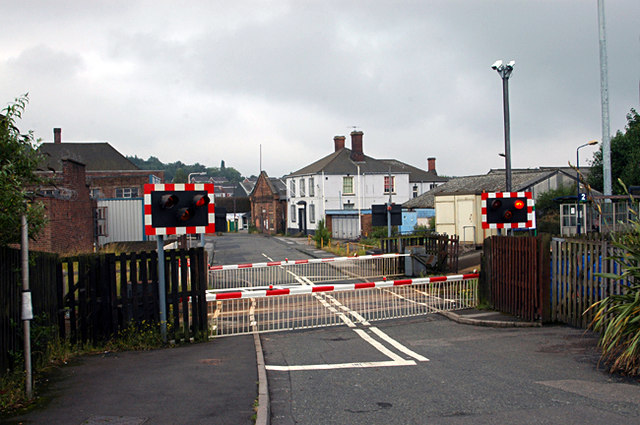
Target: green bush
[(322, 235), (617, 317)]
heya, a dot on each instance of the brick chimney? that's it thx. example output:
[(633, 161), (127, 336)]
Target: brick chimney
[(431, 164), (357, 155), (57, 135), (339, 142)]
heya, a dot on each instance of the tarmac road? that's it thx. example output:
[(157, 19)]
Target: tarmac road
[(475, 375)]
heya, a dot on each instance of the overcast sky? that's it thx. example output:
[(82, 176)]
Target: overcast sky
[(213, 80)]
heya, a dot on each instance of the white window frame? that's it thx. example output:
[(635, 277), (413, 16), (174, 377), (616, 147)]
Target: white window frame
[(293, 213), (346, 185), (302, 188), (312, 187), (312, 213), (389, 188), (292, 188), (127, 192)]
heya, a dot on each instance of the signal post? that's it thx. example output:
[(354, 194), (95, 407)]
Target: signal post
[(176, 209)]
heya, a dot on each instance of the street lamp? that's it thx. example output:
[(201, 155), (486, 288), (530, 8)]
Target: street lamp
[(505, 72), (202, 173), (589, 143)]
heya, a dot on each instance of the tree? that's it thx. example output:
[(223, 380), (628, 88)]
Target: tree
[(547, 208), (19, 161), (625, 157), (180, 176)]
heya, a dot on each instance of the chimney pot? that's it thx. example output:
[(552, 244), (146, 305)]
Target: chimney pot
[(431, 164), (357, 154), (57, 135), (339, 142)]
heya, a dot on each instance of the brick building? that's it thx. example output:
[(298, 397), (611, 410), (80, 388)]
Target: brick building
[(269, 205), (69, 212), (109, 174)]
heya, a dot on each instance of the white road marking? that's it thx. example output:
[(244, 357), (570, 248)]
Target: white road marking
[(397, 345), (327, 300), (341, 365), (384, 350)]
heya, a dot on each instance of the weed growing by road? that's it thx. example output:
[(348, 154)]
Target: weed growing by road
[(617, 317)]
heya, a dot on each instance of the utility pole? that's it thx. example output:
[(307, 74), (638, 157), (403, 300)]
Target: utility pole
[(604, 96), (27, 309), (389, 208)]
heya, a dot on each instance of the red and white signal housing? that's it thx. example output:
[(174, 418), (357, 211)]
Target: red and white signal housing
[(150, 209), (508, 210)]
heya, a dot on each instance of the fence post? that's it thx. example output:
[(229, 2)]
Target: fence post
[(544, 277), (484, 283)]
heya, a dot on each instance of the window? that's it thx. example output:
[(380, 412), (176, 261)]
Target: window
[(389, 184), (101, 221), (302, 187), (312, 213), (312, 187), (349, 206), (126, 192), (347, 185), (415, 191), (293, 213), (433, 185), (95, 193), (292, 188)]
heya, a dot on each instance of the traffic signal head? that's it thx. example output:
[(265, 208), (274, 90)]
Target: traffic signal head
[(507, 210), (178, 211)]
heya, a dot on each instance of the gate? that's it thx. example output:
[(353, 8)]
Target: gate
[(102, 294), (309, 306), (298, 272), (516, 272)]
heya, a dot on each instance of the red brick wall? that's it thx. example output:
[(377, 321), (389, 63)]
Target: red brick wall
[(108, 181), (274, 215), (70, 227)]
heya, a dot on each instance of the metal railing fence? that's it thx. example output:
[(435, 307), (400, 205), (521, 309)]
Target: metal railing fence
[(309, 306), (317, 270)]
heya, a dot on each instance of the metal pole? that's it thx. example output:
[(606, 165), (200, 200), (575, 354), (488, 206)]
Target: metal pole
[(507, 130), (578, 189), (162, 289), (389, 208), (604, 97), (27, 310)]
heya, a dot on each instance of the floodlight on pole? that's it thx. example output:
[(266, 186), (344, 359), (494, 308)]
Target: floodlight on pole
[(201, 173), (505, 72), (579, 208)]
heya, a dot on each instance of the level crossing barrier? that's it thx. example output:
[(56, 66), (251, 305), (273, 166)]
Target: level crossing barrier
[(279, 308), (297, 272)]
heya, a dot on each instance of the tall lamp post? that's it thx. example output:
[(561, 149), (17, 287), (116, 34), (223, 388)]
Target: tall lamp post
[(505, 72), (200, 173), (579, 208)]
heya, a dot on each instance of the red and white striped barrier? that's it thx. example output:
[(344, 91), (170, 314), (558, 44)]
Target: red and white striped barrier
[(287, 262), (297, 290)]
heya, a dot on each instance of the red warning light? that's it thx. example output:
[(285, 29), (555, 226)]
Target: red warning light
[(519, 204)]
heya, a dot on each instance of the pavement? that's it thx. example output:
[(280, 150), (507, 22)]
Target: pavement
[(217, 382)]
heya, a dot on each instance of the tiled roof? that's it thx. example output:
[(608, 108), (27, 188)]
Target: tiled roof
[(340, 163), (494, 181), (100, 156)]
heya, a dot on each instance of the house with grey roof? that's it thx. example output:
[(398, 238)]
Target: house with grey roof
[(344, 185), (109, 174)]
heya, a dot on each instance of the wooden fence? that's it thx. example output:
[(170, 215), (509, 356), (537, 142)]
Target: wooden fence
[(575, 285), (90, 298), (516, 275), (42, 272), (443, 248), (102, 294)]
